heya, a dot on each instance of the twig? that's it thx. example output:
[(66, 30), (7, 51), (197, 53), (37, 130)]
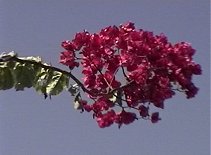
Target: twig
[(48, 67), (69, 74)]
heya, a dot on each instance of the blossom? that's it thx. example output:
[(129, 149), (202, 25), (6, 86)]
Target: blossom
[(128, 27), (101, 104), (107, 119), (125, 118), (68, 58), (143, 111), (68, 45), (81, 39), (139, 75), (132, 69), (155, 117)]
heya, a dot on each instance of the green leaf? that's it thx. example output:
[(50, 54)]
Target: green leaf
[(32, 58), (41, 80), (113, 98), (50, 82), (26, 72), (57, 83), (6, 78), (116, 97), (73, 89), (6, 56), (76, 103), (23, 75)]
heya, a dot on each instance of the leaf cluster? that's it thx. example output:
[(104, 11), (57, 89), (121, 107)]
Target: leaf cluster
[(27, 72)]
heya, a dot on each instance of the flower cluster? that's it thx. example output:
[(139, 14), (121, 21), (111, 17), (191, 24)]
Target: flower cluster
[(134, 67)]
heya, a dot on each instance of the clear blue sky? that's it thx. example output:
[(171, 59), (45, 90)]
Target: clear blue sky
[(30, 125)]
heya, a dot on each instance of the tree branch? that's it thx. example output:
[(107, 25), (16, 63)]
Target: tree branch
[(45, 66), (13, 57)]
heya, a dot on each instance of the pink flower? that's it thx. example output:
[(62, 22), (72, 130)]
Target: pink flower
[(102, 104), (89, 81), (108, 35), (68, 58), (128, 27), (155, 117), (143, 111), (129, 68), (125, 118), (95, 41), (68, 45), (139, 75), (113, 63), (81, 39), (107, 119)]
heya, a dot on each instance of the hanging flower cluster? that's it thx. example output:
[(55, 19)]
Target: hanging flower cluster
[(127, 70)]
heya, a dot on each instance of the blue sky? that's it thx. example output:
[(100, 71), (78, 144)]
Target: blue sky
[(31, 125)]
